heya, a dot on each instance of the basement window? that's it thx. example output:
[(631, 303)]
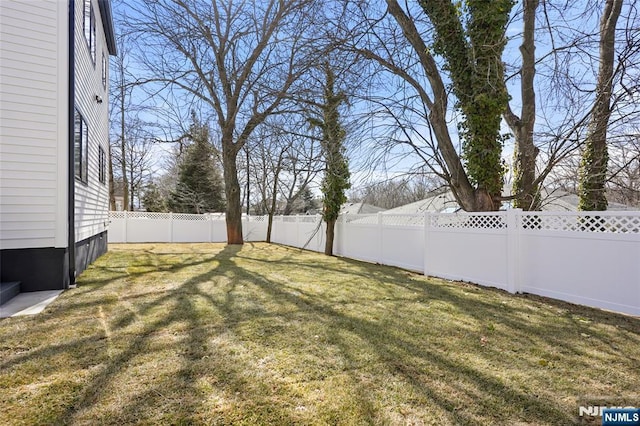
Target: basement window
[(81, 148)]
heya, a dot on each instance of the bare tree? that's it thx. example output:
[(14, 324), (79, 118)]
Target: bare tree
[(593, 168), (282, 166), (392, 193), (525, 189), (121, 86), (623, 183), (238, 58), (137, 160)]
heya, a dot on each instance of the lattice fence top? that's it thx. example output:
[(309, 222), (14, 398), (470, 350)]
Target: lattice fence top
[(190, 217), (309, 218), (361, 219), (402, 219), (582, 222), (469, 221), (146, 215), (590, 222)]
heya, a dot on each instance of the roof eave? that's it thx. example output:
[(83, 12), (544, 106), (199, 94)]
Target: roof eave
[(107, 24)]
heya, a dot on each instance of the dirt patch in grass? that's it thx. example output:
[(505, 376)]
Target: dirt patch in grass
[(265, 334)]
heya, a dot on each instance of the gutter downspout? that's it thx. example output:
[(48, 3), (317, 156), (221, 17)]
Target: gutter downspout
[(71, 199)]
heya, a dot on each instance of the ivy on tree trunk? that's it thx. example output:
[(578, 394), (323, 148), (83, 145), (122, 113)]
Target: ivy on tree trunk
[(473, 57), (336, 175)]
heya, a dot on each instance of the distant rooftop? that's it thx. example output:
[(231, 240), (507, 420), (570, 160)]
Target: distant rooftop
[(359, 208), (445, 202)]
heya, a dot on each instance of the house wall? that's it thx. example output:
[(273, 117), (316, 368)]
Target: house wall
[(92, 198), (33, 127), (34, 142)]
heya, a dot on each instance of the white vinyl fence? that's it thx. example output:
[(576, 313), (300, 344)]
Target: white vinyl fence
[(146, 227), (587, 258)]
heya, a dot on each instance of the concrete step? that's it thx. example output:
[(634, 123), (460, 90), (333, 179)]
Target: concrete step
[(8, 291)]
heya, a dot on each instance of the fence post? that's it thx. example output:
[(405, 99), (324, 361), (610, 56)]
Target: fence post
[(513, 250), (343, 238), (171, 227), (210, 220), (427, 241), (319, 234), (126, 219), (380, 241), (297, 222)]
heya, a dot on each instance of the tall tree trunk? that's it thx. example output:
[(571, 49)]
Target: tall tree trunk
[(246, 148), (131, 188), (112, 189), (525, 188), (593, 168), (123, 144), (274, 195), (269, 226), (330, 235), (232, 192)]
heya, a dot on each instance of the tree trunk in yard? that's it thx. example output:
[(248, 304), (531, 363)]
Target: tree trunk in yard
[(593, 168), (112, 189), (330, 234), (232, 192), (269, 226), (525, 188)]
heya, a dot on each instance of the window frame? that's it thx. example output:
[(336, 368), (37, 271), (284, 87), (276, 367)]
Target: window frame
[(89, 28), (104, 72), (102, 165), (81, 148)]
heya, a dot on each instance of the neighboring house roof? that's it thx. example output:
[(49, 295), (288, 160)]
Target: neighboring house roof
[(558, 200), (107, 24), (439, 201), (359, 208), (444, 202)]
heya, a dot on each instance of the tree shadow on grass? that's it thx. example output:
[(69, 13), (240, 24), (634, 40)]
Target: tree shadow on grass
[(396, 352), (179, 397), (235, 343), (558, 333)]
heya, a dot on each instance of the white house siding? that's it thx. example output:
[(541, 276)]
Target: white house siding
[(91, 199), (33, 127)]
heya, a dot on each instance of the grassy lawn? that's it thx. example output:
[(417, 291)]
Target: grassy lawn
[(264, 334)]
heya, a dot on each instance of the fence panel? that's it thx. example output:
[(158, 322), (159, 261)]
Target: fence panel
[(254, 228), (402, 241), (189, 228), (587, 258), (361, 238), (148, 227), (117, 227), (469, 247)]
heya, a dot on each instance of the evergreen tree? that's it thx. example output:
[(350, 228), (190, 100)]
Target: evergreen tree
[(153, 200), (308, 200), (200, 187)]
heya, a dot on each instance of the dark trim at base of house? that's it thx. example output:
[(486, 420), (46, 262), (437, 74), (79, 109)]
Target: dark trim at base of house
[(89, 250), (47, 268)]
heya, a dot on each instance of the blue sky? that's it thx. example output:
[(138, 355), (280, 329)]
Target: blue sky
[(545, 117)]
